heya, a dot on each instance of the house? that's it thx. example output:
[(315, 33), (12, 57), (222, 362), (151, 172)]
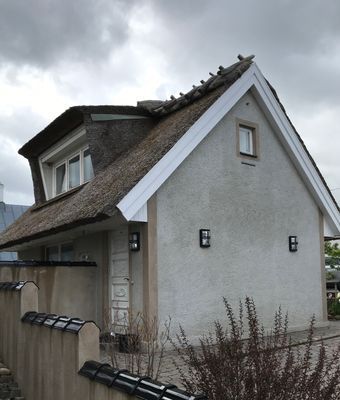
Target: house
[(332, 283), (8, 214), (179, 203)]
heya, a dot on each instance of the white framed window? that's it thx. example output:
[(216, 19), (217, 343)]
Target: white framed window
[(247, 139), (59, 252), (72, 171), (66, 164)]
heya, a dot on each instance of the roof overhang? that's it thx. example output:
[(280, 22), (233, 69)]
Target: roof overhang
[(68, 234), (133, 205)]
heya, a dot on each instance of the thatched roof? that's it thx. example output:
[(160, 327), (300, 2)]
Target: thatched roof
[(67, 121), (97, 200)]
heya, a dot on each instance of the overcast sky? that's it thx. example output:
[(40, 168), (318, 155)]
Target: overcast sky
[(55, 54)]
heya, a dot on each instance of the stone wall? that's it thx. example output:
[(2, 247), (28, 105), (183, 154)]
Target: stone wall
[(8, 388)]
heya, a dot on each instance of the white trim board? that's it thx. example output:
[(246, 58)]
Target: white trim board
[(252, 80)]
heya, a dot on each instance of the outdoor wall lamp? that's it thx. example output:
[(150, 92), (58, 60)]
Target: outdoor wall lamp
[(134, 242), (293, 243), (205, 237)]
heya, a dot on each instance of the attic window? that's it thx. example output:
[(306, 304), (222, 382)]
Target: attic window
[(72, 171), (67, 164), (247, 141)]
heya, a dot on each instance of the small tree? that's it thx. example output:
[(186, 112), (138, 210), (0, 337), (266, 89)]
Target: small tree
[(332, 253), (262, 367)]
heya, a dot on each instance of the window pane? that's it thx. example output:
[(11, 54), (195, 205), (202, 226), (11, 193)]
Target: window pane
[(60, 179), (246, 141), (52, 253), (66, 252), (88, 169), (74, 172)]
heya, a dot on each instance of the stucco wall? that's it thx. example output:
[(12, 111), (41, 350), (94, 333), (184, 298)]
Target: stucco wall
[(63, 290), (251, 211), (69, 290)]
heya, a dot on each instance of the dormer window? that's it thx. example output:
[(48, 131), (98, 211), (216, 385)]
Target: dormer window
[(72, 171), (61, 185), (67, 164)]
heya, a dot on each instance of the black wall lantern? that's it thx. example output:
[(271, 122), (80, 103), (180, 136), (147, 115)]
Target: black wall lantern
[(205, 237), (293, 243), (134, 242)]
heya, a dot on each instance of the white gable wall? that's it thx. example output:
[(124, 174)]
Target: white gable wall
[(251, 211)]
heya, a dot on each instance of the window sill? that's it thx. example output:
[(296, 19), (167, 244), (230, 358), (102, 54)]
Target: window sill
[(245, 155)]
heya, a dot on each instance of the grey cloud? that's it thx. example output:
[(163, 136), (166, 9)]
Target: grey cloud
[(43, 32), (21, 127), (289, 39), (15, 175), (294, 43), (14, 170)]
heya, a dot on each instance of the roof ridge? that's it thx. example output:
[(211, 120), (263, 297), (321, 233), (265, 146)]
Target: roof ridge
[(222, 76)]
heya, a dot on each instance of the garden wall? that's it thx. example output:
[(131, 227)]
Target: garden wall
[(64, 289), (55, 357)]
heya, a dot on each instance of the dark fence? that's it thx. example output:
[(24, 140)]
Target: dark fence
[(35, 263), (139, 386)]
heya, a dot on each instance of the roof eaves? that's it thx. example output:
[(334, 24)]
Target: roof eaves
[(59, 127), (48, 232)]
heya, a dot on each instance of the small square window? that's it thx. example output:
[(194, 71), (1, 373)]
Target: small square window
[(60, 252), (247, 145), (66, 252), (52, 253)]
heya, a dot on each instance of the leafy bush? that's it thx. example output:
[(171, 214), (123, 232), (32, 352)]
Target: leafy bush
[(262, 367), (333, 306)]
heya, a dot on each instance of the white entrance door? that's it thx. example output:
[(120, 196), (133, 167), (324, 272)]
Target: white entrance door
[(120, 279)]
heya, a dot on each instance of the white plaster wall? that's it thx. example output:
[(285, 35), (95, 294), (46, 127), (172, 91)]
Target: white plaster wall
[(251, 211)]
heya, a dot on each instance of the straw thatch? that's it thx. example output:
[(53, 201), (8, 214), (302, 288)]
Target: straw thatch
[(97, 200)]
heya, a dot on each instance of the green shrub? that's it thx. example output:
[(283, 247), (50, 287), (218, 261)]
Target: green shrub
[(229, 366), (333, 306)]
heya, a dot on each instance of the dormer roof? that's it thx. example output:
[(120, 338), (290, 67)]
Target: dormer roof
[(69, 120)]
